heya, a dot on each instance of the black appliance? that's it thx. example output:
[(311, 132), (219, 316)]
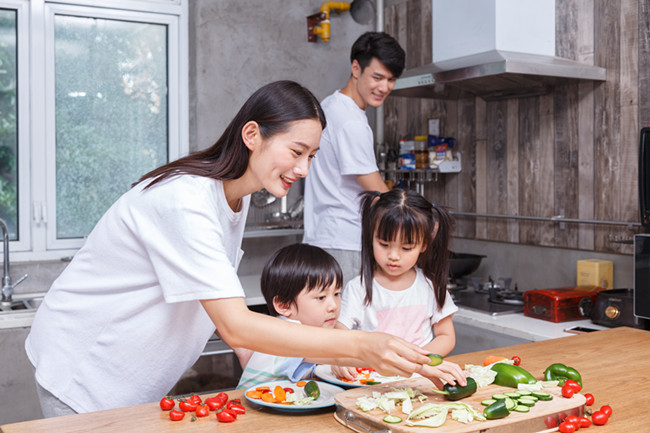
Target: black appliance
[(642, 276), (644, 176)]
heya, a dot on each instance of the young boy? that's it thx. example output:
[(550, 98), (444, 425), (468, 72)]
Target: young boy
[(300, 283)]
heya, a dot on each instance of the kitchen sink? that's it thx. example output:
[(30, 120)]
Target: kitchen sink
[(22, 302)]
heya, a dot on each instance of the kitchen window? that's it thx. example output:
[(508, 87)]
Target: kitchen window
[(93, 94)]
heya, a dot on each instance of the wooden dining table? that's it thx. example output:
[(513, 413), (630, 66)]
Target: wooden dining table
[(614, 363)]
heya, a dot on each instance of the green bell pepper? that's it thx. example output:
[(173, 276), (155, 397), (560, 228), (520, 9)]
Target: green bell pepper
[(511, 375), (561, 373)]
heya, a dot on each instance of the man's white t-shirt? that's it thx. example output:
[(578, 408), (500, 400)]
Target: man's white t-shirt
[(123, 321), (409, 313), (332, 218)]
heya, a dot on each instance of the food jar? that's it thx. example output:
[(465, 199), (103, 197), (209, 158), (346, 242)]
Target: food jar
[(421, 152)]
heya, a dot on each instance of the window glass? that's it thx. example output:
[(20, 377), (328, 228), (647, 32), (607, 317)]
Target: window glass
[(111, 116), (8, 122)]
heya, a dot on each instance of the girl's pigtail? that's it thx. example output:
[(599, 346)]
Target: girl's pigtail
[(367, 234), (436, 260)]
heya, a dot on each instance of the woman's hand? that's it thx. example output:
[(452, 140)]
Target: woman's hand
[(348, 373), (390, 355), (447, 372)]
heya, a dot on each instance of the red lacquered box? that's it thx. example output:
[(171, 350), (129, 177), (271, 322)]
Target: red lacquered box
[(560, 305)]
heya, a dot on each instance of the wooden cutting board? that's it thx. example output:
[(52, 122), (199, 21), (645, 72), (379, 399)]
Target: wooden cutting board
[(541, 417)]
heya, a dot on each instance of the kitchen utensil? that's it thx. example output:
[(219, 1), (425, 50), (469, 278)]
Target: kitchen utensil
[(349, 414), (362, 11), (461, 264), (262, 198)]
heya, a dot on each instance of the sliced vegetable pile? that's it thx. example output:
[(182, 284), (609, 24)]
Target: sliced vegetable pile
[(226, 410), (287, 395)]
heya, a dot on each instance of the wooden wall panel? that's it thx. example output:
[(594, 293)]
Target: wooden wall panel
[(573, 152)]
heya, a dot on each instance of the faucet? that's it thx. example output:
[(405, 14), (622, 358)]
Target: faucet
[(7, 287)]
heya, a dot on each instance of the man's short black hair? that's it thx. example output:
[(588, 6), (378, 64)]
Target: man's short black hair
[(383, 47)]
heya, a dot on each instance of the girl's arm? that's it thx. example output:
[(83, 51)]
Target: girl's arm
[(445, 337), (240, 327)]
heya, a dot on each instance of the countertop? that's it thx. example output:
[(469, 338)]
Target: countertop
[(614, 366)]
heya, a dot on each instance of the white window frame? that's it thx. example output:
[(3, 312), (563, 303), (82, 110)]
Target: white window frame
[(37, 189)]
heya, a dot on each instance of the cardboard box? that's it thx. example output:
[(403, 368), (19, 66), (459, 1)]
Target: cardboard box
[(595, 273)]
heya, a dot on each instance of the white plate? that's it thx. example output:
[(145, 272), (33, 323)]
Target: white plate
[(324, 372), (326, 399)]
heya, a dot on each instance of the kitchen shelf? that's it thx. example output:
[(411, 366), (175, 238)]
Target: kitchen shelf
[(259, 232)]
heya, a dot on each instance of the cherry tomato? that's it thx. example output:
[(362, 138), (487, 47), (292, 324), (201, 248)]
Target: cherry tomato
[(186, 406), (226, 416), (176, 415), (517, 360), (288, 390), (567, 427), (195, 399), (550, 421), (213, 403), (573, 385), (590, 399), (567, 392), (202, 410), (222, 396), (167, 403), (607, 410), (572, 419), (599, 418), (584, 421), (238, 409)]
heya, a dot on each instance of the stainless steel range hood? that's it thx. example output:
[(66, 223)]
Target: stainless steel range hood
[(494, 75)]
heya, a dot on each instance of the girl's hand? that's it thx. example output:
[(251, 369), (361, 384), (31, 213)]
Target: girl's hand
[(447, 372), (390, 355), (348, 373)]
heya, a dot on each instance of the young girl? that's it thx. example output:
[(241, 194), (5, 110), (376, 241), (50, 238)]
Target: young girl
[(402, 289)]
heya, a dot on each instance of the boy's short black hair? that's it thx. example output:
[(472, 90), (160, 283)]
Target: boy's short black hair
[(383, 47), (294, 268)]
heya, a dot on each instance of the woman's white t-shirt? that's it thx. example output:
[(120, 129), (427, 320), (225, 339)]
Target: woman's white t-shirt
[(409, 314), (123, 321)]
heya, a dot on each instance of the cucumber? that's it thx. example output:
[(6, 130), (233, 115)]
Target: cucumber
[(435, 359), (488, 401), (544, 396), (523, 392), (312, 390), (521, 408), (512, 395), (510, 403), (499, 396), (496, 410), (526, 402), (392, 419)]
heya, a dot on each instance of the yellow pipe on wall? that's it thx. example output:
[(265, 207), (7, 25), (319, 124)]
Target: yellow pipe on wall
[(324, 29)]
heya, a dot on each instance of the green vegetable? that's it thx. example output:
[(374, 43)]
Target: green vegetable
[(456, 392), (496, 410), (543, 396), (312, 390), (372, 382), (561, 373), (435, 359), (511, 375), (392, 419)]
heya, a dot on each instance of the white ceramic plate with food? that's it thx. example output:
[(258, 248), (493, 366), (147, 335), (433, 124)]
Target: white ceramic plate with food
[(324, 372), (326, 398)]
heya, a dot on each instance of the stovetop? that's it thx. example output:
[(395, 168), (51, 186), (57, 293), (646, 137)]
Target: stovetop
[(494, 301)]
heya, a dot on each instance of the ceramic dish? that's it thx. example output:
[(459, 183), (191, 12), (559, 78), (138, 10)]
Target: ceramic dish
[(324, 372), (326, 399)]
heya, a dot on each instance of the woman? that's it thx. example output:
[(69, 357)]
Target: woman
[(135, 307)]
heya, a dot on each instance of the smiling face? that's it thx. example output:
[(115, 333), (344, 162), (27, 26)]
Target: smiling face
[(316, 307), (373, 84), (280, 160), (395, 258)]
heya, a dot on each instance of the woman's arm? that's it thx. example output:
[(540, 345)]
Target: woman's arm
[(240, 327)]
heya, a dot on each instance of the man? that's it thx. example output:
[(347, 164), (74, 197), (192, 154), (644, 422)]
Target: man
[(345, 164)]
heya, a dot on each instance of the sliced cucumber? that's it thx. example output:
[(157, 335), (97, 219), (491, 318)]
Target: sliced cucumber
[(521, 408), (510, 403), (488, 401), (499, 396), (512, 395), (544, 396), (523, 392), (526, 402), (392, 419)]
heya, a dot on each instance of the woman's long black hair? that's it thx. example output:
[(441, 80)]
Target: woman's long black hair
[(407, 214), (273, 107)]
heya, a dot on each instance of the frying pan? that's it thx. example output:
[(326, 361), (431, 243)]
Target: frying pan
[(461, 264)]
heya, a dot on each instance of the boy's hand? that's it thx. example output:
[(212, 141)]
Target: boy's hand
[(447, 372), (348, 373)]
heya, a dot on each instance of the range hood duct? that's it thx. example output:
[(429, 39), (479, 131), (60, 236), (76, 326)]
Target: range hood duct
[(495, 49)]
